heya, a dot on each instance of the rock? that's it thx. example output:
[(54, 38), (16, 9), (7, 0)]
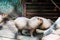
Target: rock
[(6, 33), (20, 37), (56, 32), (51, 37), (2, 38)]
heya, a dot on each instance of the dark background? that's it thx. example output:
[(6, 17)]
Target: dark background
[(43, 8)]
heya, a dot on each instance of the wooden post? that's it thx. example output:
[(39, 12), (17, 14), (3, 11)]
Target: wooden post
[(24, 8)]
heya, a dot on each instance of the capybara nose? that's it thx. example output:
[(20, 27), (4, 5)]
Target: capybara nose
[(0, 27)]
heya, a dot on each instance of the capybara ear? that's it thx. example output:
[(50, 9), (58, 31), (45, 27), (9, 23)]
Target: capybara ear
[(40, 20)]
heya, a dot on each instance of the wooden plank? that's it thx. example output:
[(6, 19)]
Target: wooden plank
[(43, 9)]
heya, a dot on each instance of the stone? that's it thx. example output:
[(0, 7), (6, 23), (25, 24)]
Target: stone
[(20, 37), (6, 33)]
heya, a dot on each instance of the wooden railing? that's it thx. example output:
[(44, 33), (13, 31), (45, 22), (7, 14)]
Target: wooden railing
[(43, 9)]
